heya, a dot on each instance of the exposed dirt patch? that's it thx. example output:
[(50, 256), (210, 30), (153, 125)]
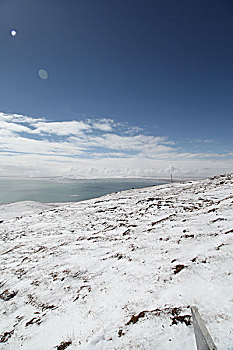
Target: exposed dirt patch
[(219, 246), (120, 333), (88, 289), (7, 295), (5, 336), (64, 345), (187, 236), (181, 319), (230, 231), (135, 318), (218, 219), (161, 220), (173, 312), (33, 320), (178, 268), (118, 256), (41, 249), (33, 300), (211, 210), (127, 232)]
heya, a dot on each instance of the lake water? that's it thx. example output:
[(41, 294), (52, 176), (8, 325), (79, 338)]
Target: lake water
[(57, 190)]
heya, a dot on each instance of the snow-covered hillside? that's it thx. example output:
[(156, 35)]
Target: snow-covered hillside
[(13, 210), (120, 271)]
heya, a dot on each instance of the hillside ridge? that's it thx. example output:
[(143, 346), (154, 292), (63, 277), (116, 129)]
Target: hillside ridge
[(120, 271)]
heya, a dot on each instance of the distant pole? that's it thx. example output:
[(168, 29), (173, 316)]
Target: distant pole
[(171, 179)]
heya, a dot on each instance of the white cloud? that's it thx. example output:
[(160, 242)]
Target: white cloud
[(10, 126), (201, 141), (96, 148), (19, 118), (102, 124), (60, 128), (145, 145)]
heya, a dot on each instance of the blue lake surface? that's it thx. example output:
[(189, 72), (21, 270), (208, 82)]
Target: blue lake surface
[(65, 190)]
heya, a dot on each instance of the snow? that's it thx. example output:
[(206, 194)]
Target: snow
[(117, 272), (13, 210)]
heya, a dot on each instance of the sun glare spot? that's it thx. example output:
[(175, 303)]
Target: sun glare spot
[(43, 74), (13, 32)]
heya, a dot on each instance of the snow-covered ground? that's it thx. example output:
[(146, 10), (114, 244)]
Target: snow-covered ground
[(13, 210), (120, 271)]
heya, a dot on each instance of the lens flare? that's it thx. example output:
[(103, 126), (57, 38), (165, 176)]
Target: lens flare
[(43, 74)]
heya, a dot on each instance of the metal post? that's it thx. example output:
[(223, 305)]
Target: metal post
[(203, 338)]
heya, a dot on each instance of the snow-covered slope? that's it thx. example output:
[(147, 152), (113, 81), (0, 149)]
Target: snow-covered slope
[(13, 210), (120, 271)]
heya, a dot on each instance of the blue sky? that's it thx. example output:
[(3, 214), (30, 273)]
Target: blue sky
[(155, 75)]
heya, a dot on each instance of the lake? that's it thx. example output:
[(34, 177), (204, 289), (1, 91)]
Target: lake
[(53, 190)]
